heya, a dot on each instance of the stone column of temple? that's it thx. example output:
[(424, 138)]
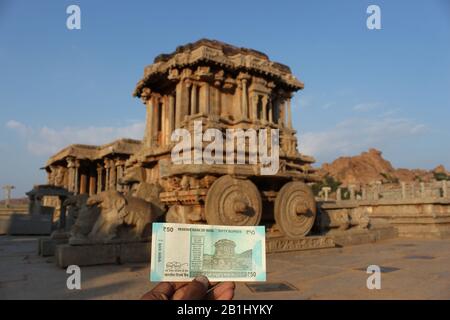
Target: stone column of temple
[(112, 175), (194, 99), (120, 170), (377, 190), (99, 178), (325, 191), (351, 189), (281, 113), (106, 174), (77, 168), (156, 119), (270, 110), (264, 108), (164, 119), (71, 174), (205, 103), (92, 181), (187, 98), (244, 99), (289, 115), (83, 183), (170, 116), (217, 104), (179, 101), (148, 138), (254, 109)]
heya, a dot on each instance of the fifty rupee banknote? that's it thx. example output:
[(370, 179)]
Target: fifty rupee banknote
[(180, 252)]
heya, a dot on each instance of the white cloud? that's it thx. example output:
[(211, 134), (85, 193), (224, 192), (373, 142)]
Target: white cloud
[(355, 135), (47, 141)]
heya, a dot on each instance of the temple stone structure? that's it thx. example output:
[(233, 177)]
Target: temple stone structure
[(86, 169)]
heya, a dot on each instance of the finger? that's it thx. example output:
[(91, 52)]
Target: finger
[(222, 291), (163, 291), (193, 291)]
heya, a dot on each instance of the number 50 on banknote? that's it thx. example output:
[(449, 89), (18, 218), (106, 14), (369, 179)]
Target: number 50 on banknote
[(180, 252)]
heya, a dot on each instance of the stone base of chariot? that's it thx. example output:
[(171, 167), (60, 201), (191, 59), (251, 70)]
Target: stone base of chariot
[(279, 243), (98, 254), (138, 252)]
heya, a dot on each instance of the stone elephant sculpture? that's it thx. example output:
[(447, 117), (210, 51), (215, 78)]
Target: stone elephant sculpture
[(122, 217), (84, 217)]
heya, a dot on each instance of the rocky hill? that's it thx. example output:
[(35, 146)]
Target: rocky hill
[(370, 166)]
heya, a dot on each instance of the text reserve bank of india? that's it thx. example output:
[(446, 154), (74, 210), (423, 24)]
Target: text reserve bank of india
[(180, 252)]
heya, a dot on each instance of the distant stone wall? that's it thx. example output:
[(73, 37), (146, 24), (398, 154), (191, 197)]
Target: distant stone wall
[(378, 191)]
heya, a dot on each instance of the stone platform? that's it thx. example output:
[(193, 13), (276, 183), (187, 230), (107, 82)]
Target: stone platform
[(357, 236), (97, 254), (24, 224)]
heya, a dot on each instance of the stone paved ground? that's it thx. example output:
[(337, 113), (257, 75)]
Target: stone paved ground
[(423, 272)]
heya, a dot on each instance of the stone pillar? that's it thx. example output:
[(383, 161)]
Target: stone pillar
[(444, 189), (7, 190), (339, 194), (413, 190), (363, 193), (376, 194), (403, 184), (351, 189), (217, 102), (194, 109), (156, 120), (281, 114), (171, 116), (120, 171), (148, 136), (83, 183), (92, 182), (325, 191), (264, 108), (112, 175), (99, 178), (77, 168), (205, 102), (270, 110), (106, 174), (179, 114), (244, 99), (422, 189), (289, 115), (254, 108), (71, 174)]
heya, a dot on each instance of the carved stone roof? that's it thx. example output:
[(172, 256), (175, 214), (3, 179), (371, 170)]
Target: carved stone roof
[(227, 56), (90, 152)]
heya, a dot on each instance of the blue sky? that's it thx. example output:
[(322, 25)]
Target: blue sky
[(385, 88)]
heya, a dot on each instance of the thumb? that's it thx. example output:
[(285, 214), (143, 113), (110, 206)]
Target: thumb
[(196, 290)]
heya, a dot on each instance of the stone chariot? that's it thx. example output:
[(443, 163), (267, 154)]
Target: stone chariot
[(223, 87)]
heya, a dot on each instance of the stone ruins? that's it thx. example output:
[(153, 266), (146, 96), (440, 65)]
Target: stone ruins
[(103, 199)]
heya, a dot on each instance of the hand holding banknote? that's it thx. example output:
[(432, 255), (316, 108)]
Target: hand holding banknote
[(200, 288)]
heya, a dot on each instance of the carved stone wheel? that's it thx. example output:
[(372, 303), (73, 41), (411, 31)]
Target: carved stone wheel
[(233, 202), (295, 209)]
